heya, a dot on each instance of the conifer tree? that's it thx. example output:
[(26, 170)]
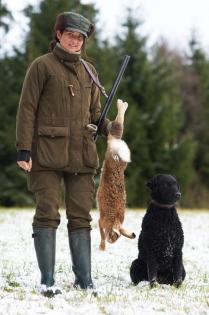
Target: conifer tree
[(13, 180), (5, 18), (166, 125), (200, 66), (155, 117)]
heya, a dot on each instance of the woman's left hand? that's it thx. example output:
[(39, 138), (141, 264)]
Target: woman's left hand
[(26, 166)]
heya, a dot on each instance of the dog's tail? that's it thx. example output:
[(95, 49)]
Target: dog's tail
[(120, 148)]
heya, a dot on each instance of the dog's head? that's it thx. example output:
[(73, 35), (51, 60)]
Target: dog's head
[(164, 189)]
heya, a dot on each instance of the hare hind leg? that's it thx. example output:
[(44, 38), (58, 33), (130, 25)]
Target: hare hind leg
[(122, 107)]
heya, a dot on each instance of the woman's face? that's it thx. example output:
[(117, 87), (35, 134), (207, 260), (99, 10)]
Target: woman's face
[(70, 41)]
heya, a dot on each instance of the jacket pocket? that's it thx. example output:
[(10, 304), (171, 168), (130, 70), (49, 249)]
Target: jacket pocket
[(52, 147), (90, 156)]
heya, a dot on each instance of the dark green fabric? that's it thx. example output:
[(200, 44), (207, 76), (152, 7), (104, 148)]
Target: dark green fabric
[(45, 243), (51, 121), (79, 189), (77, 23)]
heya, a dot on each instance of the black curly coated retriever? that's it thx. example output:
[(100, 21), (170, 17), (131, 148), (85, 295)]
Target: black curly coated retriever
[(161, 239)]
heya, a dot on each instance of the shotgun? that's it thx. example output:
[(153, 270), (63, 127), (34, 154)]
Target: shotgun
[(112, 94)]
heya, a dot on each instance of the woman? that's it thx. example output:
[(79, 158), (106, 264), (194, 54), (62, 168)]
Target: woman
[(59, 100)]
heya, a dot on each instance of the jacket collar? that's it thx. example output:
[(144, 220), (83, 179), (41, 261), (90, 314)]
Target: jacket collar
[(65, 56)]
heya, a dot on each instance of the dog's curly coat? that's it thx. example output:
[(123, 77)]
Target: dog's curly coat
[(161, 239), (111, 194)]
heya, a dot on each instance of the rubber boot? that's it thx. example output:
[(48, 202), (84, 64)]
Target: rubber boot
[(44, 243), (80, 248)]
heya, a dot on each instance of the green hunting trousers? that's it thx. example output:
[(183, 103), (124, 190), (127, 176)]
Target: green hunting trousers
[(79, 189)]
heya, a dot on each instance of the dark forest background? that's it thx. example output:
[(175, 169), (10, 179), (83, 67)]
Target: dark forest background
[(167, 122)]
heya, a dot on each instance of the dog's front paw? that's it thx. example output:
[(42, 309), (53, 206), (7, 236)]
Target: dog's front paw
[(177, 283), (153, 284)]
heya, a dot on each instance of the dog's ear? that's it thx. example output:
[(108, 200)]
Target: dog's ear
[(149, 183), (174, 177)]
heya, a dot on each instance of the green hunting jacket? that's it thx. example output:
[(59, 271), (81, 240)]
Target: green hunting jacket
[(58, 100)]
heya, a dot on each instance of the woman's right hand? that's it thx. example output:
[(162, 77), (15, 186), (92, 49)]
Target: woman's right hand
[(25, 165)]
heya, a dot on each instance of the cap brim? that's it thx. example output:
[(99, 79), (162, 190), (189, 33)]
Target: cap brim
[(76, 30)]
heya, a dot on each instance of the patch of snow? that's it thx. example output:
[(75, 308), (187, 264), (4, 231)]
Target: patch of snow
[(19, 276)]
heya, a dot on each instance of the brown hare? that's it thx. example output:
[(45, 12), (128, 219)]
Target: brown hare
[(111, 194)]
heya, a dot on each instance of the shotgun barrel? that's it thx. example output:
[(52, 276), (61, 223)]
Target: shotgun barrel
[(112, 93)]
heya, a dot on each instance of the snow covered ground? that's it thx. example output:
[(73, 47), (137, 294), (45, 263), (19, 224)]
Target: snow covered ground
[(19, 274)]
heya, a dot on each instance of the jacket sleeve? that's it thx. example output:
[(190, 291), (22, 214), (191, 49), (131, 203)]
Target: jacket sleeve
[(95, 108), (28, 104)]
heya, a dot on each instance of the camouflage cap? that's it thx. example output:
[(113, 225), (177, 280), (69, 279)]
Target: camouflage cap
[(75, 22)]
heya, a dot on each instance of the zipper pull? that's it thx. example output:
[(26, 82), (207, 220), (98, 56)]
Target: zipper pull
[(71, 89)]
